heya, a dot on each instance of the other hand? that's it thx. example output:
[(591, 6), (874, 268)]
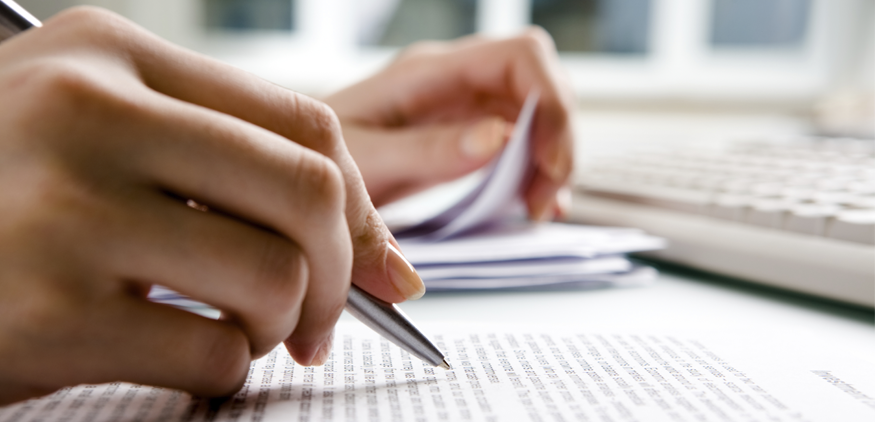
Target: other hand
[(441, 110)]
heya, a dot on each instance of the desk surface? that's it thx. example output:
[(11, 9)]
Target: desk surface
[(679, 301)]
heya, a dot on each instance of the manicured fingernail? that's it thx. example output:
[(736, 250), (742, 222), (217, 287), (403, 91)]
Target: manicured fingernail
[(484, 139), (321, 355), (543, 214), (403, 276), (558, 165), (563, 201)]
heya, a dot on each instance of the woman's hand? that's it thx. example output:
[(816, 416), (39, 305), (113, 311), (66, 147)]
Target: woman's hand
[(107, 131), (441, 110)]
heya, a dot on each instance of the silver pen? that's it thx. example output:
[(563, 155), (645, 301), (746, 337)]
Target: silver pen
[(14, 19), (390, 322), (383, 317)]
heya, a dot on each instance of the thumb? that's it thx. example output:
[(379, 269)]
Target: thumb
[(401, 161)]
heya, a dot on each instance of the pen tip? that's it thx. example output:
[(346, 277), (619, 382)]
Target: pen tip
[(445, 365)]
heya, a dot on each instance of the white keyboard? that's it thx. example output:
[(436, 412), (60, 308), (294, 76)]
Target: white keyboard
[(797, 215)]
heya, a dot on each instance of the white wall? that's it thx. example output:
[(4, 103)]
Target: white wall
[(681, 68), (865, 52), (171, 19), (43, 9)]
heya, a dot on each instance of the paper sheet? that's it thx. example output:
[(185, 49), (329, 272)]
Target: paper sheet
[(635, 276), (481, 240), (503, 373), (497, 195), (533, 256), (527, 268), (530, 241)]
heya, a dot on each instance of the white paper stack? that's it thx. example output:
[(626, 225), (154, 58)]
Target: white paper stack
[(481, 240), (532, 256)]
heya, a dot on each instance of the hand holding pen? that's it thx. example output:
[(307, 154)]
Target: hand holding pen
[(108, 133)]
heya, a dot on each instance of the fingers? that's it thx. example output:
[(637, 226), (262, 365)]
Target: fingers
[(221, 137), (93, 158), (405, 160), (546, 202), (258, 176), (532, 63), (563, 202), (124, 139), (167, 347), (313, 125), (475, 77), (153, 344), (309, 123), (97, 337), (256, 277)]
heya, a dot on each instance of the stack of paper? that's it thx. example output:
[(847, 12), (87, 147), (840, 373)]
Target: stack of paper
[(532, 256), (482, 240)]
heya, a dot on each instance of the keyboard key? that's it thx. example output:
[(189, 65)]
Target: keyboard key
[(854, 226), (767, 189), (834, 198), (833, 183), (863, 188), (708, 183), (798, 194), (660, 196), (737, 186), (863, 202), (800, 188), (730, 207), (810, 219), (769, 212)]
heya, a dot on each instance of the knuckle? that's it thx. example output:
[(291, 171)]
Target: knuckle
[(371, 232), (535, 44), (88, 16), (324, 180), (536, 39), (420, 49), (82, 101), (281, 279), (328, 125), (224, 364), (65, 79), (71, 86), (315, 123), (318, 119), (91, 23)]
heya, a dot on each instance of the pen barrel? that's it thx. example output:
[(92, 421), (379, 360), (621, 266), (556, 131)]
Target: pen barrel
[(390, 322), (14, 19)]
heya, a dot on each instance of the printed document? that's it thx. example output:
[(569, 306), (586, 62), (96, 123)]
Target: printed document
[(503, 373)]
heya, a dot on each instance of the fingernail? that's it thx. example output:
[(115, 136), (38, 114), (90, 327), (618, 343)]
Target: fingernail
[(321, 355), (559, 166), (563, 201), (542, 214), (484, 139), (558, 160), (540, 211), (404, 278)]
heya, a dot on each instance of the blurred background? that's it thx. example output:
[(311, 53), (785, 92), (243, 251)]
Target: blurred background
[(670, 69)]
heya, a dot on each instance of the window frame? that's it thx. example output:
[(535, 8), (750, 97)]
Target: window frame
[(680, 65)]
